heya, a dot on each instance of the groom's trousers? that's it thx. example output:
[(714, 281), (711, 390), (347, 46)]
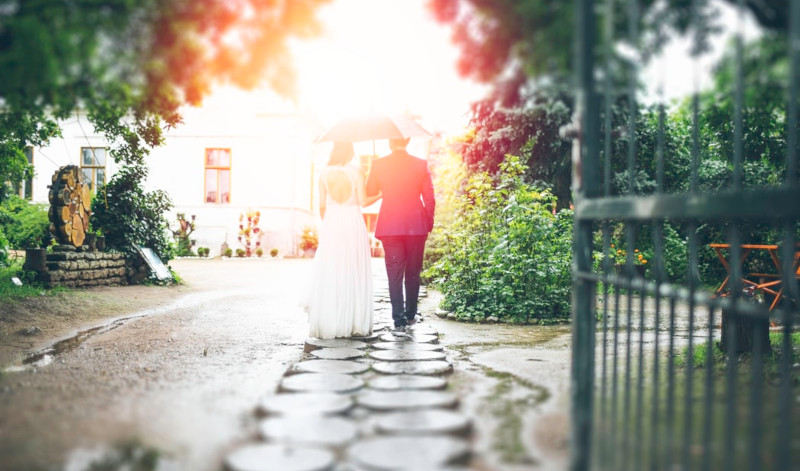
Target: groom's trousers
[(403, 262)]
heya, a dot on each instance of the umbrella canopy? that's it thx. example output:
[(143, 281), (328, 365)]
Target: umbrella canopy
[(373, 126)]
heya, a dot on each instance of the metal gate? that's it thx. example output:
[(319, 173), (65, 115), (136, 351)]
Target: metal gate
[(642, 395)]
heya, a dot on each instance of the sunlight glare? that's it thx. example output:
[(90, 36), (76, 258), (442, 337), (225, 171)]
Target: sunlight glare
[(387, 56)]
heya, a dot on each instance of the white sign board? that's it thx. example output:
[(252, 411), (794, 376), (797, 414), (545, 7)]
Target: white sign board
[(155, 263)]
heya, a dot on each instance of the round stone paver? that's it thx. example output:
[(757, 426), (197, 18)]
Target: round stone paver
[(424, 421), (313, 344), (337, 353), (428, 347), (408, 453), (390, 337), (268, 457), (331, 366), (367, 338), (421, 329), (406, 355), (306, 403), (434, 367), (321, 382), (397, 382), (309, 430), (400, 400)]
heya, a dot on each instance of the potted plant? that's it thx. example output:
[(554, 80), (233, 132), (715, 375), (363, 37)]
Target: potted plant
[(259, 252), (240, 253), (229, 252), (620, 259), (273, 253), (309, 241)]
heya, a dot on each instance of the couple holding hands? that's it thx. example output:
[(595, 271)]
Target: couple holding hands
[(340, 300)]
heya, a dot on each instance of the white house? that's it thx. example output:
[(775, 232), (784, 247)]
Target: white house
[(237, 153)]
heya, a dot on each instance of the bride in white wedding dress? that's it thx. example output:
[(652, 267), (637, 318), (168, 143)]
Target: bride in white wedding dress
[(340, 299)]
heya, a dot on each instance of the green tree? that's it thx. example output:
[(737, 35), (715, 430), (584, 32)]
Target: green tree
[(132, 63)]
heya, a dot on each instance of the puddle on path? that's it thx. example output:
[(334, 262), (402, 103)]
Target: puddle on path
[(45, 356)]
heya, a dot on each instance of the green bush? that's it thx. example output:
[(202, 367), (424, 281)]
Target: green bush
[(25, 224), (128, 216), (229, 252), (506, 255), (3, 248)]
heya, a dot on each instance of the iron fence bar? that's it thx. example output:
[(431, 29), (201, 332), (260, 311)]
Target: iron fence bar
[(794, 78), (608, 34), (751, 204), (784, 394), (688, 407), (756, 397), (615, 383), (738, 141), (637, 450), (709, 392), (603, 443), (626, 402), (656, 385), (608, 38), (660, 275), (633, 36), (583, 305), (783, 454), (732, 356), (670, 428)]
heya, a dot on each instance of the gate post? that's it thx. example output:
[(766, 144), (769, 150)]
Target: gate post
[(584, 178)]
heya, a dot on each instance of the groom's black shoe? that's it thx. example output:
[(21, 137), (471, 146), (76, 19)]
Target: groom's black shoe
[(399, 329)]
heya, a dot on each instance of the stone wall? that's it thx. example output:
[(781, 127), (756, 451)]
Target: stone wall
[(78, 269)]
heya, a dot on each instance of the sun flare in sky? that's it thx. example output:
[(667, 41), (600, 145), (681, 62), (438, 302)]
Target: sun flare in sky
[(386, 56)]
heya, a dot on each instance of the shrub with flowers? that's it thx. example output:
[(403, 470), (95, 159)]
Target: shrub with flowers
[(309, 240), (249, 231), (619, 256)]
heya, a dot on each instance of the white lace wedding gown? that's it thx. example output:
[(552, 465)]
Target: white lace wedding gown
[(340, 300)]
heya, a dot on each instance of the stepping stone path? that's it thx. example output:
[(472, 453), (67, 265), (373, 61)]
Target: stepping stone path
[(305, 403), (410, 346), (425, 421), (331, 366), (409, 337), (405, 382), (338, 353), (321, 382), (368, 403), (313, 344), (406, 355)]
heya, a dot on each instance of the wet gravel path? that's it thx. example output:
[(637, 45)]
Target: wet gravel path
[(189, 382)]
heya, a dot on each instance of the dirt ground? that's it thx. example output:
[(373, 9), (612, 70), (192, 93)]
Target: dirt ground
[(51, 317)]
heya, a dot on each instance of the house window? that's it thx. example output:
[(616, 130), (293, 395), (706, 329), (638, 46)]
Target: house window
[(24, 188), (93, 166), (218, 176)]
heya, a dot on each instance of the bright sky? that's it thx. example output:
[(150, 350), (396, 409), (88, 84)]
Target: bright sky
[(678, 75), (388, 56)]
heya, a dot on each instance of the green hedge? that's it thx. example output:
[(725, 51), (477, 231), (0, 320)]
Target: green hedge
[(506, 256), (25, 224)]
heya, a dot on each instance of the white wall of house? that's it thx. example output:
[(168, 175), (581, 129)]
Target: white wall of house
[(273, 162)]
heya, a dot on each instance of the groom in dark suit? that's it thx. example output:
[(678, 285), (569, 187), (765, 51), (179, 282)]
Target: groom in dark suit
[(404, 221)]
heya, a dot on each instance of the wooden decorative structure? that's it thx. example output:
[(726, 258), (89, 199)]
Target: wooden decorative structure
[(70, 206)]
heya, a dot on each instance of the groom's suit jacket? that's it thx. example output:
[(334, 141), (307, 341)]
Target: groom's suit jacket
[(408, 202)]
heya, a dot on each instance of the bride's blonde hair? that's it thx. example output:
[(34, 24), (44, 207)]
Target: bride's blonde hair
[(341, 154)]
